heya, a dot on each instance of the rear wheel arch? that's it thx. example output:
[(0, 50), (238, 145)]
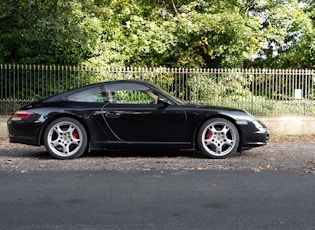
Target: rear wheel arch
[(65, 138), (61, 115)]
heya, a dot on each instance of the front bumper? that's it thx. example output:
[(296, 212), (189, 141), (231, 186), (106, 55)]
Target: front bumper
[(254, 134)]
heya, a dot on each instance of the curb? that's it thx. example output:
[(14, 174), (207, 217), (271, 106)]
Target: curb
[(3, 127)]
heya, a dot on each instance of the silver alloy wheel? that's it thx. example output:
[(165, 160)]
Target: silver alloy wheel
[(218, 138), (64, 139)]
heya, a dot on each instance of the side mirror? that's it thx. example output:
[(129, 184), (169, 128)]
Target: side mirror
[(163, 101)]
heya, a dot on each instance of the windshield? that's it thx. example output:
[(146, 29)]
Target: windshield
[(177, 100)]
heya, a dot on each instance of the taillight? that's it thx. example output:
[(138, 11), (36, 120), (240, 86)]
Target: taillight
[(21, 114)]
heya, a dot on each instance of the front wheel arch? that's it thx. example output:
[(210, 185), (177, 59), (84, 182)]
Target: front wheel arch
[(224, 138)]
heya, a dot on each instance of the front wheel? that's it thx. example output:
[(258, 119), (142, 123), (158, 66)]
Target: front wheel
[(218, 138), (65, 138)]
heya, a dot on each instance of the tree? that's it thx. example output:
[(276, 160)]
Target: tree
[(290, 34), (216, 34), (187, 34), (172, 33), (48, 32)]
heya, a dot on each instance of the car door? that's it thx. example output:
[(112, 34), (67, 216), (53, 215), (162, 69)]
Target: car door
[(134, 114)]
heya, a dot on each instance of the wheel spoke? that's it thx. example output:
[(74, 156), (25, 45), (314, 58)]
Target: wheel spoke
[(218, 148), (58, 130), (66, 149), (225, 129), (70, 129), (56, 143), (75, 141), (208, 142), (213, 129), (229, 142)]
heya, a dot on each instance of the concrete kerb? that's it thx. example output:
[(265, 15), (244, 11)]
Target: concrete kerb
[(278, 126), (3, 127), (287, 125)]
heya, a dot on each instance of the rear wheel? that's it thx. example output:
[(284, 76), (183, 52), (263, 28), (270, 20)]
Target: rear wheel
[(218, 138), (65, 138)]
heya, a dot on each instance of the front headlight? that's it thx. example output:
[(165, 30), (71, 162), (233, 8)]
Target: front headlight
[(259, 126)]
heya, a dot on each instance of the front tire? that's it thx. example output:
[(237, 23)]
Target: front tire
[(65, 138), (218, 138)]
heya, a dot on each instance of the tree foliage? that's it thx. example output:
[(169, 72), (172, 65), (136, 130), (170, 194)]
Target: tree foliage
[(291, 35), (47, 32), (173, 33)]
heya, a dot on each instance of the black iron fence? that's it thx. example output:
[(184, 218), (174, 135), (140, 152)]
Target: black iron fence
[(260, 91)]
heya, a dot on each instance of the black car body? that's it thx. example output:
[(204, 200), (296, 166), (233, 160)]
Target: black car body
[(132, 114)]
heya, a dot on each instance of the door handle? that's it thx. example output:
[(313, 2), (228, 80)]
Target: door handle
[(112, 114)]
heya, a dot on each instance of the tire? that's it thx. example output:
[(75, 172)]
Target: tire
[(65, 138), (218, 138)]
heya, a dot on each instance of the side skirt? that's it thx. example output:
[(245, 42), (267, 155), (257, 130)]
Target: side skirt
[(140, 145)]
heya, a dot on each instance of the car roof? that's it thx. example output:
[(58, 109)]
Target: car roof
[(60, 96)]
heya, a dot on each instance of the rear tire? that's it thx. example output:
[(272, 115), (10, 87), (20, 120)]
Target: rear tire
[(65, 138), (218, 138)]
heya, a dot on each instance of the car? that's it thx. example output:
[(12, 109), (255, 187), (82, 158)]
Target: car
[(132, 114)]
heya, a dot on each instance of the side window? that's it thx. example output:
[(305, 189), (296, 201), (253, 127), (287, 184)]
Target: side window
[(89, 95), (134, 97), (130, 93)]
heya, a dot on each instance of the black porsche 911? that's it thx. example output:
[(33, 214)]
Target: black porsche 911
[(132, 114)]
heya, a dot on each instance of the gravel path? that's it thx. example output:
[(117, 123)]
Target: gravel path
[(286, 153)]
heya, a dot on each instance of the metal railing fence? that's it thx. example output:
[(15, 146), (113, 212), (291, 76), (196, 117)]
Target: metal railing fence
[(271, 92)]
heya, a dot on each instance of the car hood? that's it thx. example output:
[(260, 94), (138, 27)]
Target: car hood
[(237, 114), (204, 107)]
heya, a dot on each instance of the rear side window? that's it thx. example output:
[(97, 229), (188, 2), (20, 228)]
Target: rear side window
[(94, 94)]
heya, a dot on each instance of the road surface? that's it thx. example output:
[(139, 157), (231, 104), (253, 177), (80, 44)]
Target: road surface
[(205, 199)]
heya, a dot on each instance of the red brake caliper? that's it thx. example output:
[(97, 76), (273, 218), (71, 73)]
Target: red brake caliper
[(75, 135), (208, 135)]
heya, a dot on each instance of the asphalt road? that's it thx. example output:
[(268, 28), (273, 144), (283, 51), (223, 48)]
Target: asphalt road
[(206, 199)]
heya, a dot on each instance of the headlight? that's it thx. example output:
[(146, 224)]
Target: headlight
[(258, 125)]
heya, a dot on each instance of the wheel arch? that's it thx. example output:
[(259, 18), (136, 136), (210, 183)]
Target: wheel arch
[(57, 116), (218, 116)]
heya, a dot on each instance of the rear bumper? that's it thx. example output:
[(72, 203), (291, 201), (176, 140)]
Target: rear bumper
[(23, 140), (24, 132)]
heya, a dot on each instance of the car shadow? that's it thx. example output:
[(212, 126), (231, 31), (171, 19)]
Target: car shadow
[(24, 151), (21, 151), (144, 153), (153, 154)]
